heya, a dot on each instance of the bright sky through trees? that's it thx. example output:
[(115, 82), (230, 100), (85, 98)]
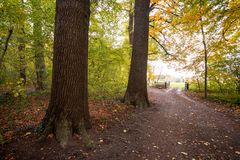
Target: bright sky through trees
[(160, 67)]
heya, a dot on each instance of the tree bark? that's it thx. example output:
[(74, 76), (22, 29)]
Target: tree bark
[(205, 55), (68, 108), (38, 45), (22, 60), (10, 31), (205, 62), (238, 84), (136, 93)]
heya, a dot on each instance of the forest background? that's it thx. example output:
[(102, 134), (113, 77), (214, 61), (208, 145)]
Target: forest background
[(181, 34)]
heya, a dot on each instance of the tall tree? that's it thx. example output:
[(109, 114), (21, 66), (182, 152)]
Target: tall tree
[(205, 53), (136, 93), (68, 108), (22, 59), (21, 50), (10, 31), (38, 45)]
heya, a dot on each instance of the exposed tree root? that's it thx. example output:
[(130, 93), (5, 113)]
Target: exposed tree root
[(139, 101)]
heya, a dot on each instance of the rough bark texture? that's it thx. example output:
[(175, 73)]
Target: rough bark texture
[(38, 45), (68, 108), (136, 93)]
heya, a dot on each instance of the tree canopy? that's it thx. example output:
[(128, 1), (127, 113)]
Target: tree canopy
[(175, 38)]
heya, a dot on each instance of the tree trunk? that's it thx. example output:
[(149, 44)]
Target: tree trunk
[(238, 84), (21, 52), (205, 55), (219, 84), (205, 63), (22, 60), (68, 108), (10, 31), (199, 87), (136, 93), (38, 44)]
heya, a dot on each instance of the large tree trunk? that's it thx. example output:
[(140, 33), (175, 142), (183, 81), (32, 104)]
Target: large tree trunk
[(68, 108), (38, 46), (136, 93)]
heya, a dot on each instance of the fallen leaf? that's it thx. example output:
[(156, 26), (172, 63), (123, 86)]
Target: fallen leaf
[(184, 153), (28, 133), (237, 152), (206, 143), (155, 146), (179, 143), (50, 136)]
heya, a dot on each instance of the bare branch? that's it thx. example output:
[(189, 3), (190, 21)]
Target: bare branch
[(165, 50)]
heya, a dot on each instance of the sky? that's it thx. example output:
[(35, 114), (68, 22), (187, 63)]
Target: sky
[(160, 67)]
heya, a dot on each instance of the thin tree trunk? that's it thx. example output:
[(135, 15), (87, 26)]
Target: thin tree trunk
[(205, 62), (238, 84), (68, 108), (38, 44), (10, 31), (21, 52), (22, 60), (199, 88), (219, 85), (205, 55), (136, 93)]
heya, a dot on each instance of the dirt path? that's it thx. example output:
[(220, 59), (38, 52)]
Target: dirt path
[(175, 127)]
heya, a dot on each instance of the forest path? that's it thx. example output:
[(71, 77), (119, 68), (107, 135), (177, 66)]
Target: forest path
[(175, 127)]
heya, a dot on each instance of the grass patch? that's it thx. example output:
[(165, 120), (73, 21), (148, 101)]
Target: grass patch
[(177, 85), (226, 97)]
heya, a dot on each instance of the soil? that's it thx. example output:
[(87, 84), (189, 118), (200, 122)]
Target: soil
[(174, 127)]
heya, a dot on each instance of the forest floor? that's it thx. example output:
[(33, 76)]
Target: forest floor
[(176, 126)]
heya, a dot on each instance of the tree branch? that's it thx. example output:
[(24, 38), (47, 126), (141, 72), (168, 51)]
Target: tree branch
[(152, 6), (165, 50), (10, 31)]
